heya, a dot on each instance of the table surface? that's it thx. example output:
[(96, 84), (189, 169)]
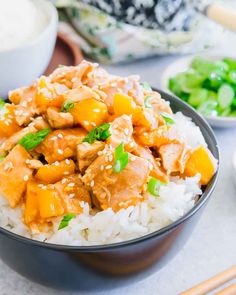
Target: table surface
[(211, 247)]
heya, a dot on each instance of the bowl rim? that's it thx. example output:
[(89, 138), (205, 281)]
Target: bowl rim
[(100, 248), (52, 21)]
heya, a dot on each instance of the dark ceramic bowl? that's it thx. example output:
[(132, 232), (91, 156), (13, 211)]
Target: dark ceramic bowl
[(108, 266)]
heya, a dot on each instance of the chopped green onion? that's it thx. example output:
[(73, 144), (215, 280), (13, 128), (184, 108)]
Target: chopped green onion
[(67, 105), (2, 103), (2, 158), (98, 133), (147, 101), (225, 96), (146, 86), (121, 159), (154, 186), (65, 220), (168, 119), (32, 140)]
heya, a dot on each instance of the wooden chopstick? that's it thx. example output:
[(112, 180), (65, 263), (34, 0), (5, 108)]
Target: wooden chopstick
[(212, 283), (230, 290)]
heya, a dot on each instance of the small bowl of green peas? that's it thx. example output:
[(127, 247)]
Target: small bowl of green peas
[(208, 84)]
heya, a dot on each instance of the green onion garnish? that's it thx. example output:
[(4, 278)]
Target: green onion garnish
[(146, 86), (2, 103), (67, 105), (2, 158), (121, 159), (154, 186), (147, 101), (98, 133), (65, 220), (31, 140), (168, 119)]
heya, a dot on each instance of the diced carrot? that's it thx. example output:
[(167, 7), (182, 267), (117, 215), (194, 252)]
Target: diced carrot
[(89, 113), (200, 161), (55, 172), (8, 124), (49, 202), (46, 96), (123, 104), (31, 202)]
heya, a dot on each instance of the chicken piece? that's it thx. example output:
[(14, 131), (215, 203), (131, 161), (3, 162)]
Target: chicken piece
[(72, 191), (121, 130), (59, 120), (87, 153), (14, 174), (203, 162), (160, 105), (156, 170), (61, 144), (117, 190), (19, 95), (55, 172), (80, 93), (154, 138), (174, 157), (36, 125), (72, 76)]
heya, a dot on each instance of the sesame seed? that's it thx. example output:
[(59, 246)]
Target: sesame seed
[(24, 104), (100, 153), (56, 163), (26, 177), (27, 161), (92, 183), (93, 124), (60, 135), (126, 131), (110, 158), (54, 138), (71, 195), (102, 167), (96, 110), (132, 158), (44, 187), (10, 116), (131, 144), (86, 123), (67, 161), (108, 167), (73, 79), (40, 185), (6, 123), (60, 151), (30, 99), (71, 184), (63, 180), (66, 173)]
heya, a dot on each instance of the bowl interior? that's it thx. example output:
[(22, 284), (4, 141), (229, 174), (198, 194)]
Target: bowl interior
[(177, 105)]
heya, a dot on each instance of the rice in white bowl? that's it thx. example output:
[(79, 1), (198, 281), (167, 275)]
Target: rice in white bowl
[(106, 227)]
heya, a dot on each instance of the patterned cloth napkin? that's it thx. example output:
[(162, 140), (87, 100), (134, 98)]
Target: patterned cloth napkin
[(107, 39)]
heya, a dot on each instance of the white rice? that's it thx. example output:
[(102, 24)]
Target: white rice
[(106, 227)]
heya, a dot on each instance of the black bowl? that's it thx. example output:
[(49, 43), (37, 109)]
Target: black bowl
[(108, 266)]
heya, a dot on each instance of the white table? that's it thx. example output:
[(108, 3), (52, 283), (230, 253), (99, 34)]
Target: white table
[(212, 246)]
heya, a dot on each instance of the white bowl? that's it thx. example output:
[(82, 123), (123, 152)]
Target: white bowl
[(181, 65), (21, 66)]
